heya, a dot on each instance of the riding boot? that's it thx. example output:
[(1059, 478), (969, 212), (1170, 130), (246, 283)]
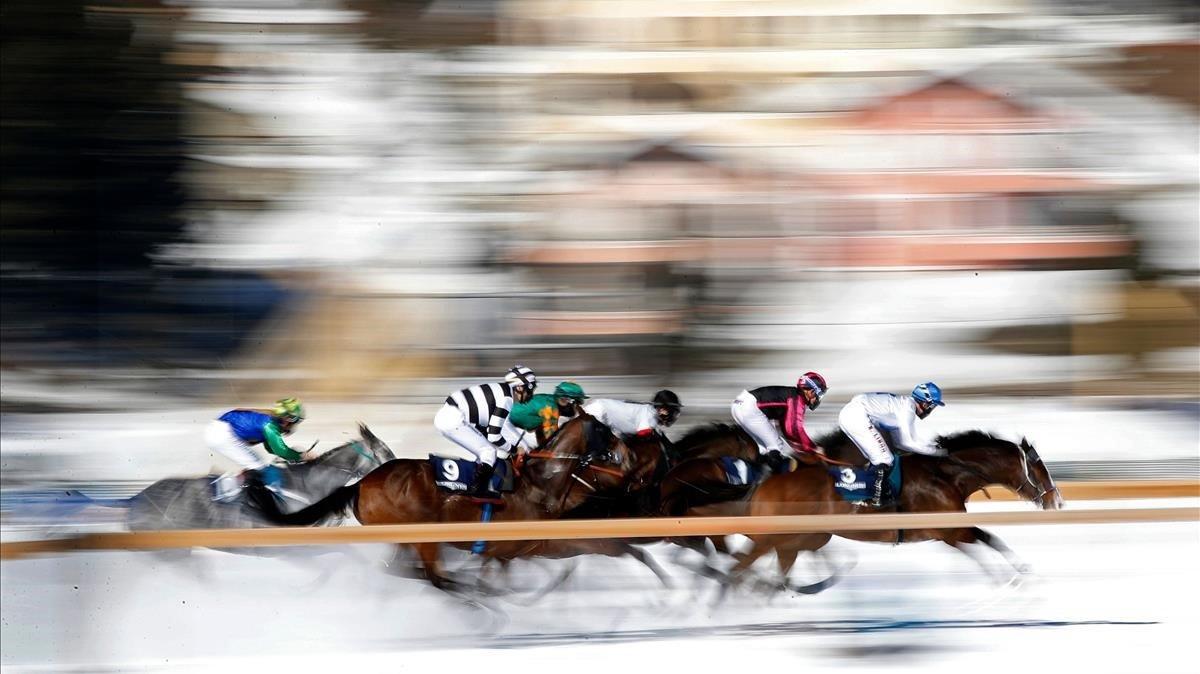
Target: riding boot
[(775, 462), (880, 476), (483, 479)]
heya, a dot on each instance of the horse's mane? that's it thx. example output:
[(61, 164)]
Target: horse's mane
[(835, 438), (703, 434), (951, 442), (968, 439)]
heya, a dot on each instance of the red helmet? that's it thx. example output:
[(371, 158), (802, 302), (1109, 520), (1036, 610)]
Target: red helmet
[(813, 382)]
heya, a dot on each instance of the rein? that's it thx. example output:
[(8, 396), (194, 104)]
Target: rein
[(572, 457), (828, 461), (586, 464)]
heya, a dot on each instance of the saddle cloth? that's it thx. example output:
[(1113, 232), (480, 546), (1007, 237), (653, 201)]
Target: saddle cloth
[(739, 472), (857, 484), (456, 475)]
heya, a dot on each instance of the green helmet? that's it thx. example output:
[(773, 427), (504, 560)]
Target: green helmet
[(289, 408), (569, 389)]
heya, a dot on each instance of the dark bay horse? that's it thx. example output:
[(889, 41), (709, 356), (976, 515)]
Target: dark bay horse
[(569, 470), (650, 458), (974, 461), (699, 477)]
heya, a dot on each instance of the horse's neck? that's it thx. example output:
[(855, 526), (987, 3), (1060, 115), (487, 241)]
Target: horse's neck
[(736, 443), (980, 467), (332, 469), (846, 453)]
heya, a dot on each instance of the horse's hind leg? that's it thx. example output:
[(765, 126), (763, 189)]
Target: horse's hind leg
[(787, 553), (762, 545), (786, 558), (706, 568), (816, 544)]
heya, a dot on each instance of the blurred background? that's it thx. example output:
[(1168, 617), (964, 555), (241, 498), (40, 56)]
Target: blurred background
[(371, 203), (368, 204)]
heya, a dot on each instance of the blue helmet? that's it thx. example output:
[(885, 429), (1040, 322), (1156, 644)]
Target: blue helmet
[(928, 393)]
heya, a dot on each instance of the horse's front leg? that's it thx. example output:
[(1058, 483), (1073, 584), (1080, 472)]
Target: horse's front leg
[(965, 543), (993, 541), (431, 564)]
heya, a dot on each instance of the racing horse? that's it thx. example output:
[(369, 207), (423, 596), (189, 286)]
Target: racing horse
[(665, 475), (974, 461), (651, 458), (699, 478), (188, 503), (575, 464)]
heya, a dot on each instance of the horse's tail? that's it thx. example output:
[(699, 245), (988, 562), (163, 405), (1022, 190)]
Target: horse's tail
[(56, 504), (307, 516)]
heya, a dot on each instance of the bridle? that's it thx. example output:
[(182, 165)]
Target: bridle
[(1024, 453), (357, 446)]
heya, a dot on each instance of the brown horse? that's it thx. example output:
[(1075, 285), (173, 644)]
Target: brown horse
[(553, 481), (637, 496), (974, 461), (652, 458)]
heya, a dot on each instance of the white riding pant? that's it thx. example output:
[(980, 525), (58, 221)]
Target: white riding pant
[(854, 421), (746, 413), (528, 441), (220, 438), (452, 424)]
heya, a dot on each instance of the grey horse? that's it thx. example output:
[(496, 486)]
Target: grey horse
[(188, 503)]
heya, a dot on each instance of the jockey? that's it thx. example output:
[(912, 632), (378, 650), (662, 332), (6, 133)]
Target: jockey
[(235, 434), (866, 413), (545, 412), (477, 419), (767, 410), (637, 419)]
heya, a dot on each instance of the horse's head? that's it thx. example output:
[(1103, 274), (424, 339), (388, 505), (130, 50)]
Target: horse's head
[(357, 457), (380, 452), (987, 459), (1040, 487), (583, 458), (650, 458)]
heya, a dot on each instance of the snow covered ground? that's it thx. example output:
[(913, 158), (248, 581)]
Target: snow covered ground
[(1103, 598)]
